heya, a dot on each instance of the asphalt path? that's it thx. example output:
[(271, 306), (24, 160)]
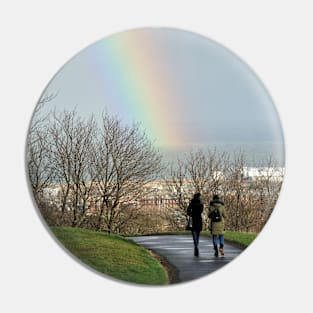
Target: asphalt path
[(177, 250)]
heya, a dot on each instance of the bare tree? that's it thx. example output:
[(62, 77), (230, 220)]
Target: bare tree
[(72, 156), (267, 185), (176, 181), (38, 151), (200, 171), (234, 189), (126, 162)]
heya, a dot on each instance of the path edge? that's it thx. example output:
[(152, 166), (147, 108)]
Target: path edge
[(170, 269)]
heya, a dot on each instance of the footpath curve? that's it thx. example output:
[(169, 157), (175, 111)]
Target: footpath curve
[(177, 250)]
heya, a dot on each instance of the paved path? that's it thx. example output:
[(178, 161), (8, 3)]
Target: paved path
[(178, 251)]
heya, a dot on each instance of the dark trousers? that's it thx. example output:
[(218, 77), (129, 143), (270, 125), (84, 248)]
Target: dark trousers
[(195, 237)]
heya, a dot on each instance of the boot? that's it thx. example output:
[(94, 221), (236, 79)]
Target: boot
[(222, 250), (196, 251), (216, 251)]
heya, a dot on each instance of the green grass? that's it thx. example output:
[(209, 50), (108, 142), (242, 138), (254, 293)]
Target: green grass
[(112, 255), (242, 239)]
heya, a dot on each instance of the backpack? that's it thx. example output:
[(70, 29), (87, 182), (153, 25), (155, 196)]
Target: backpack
[(215, 215)]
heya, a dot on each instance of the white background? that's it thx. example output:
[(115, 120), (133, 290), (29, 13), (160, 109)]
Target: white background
[(274, 38)]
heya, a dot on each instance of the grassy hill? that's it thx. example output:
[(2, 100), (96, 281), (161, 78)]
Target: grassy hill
[(112, 255)]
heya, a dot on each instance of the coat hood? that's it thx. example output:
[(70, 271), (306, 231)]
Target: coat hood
[(216, 203)]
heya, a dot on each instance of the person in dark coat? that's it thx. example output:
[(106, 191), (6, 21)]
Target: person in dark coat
[(194, 210), (217, 227)]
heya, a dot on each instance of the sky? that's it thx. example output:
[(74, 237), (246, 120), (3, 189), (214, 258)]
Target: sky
[(186, 90)]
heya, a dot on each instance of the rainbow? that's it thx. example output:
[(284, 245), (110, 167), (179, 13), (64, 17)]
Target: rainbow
[(132, 61)]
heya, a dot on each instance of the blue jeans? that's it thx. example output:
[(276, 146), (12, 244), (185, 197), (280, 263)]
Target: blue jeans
[(220, 238), (195, 237)]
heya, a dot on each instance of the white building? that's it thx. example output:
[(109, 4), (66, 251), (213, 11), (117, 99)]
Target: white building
[(272, 173)]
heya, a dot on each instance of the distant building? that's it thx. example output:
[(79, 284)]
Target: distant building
[(272, 173)]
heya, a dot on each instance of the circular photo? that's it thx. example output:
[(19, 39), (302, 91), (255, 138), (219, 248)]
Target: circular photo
[(155, 156)]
